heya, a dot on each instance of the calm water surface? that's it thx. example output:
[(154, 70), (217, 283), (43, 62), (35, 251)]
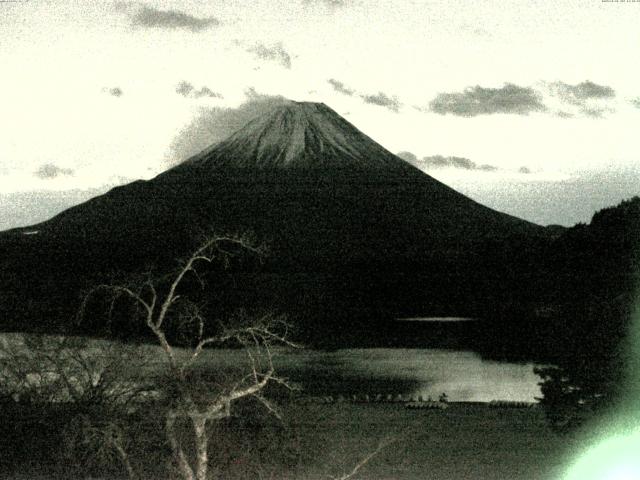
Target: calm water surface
[(462, 375)]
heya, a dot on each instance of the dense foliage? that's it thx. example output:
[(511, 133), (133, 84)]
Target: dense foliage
[(597, 276)]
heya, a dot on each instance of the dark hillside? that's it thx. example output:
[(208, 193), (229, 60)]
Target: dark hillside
[(355, 233)]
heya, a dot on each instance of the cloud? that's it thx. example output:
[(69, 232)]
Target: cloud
[(188, 90), (21, 209), (595, 112), (113, 91), (439, 161), (340, 87), (585, 98), (636, 102), (328, 3), (380, 99), (274, 53), (145, 16), (551, 201), (409, 157), (589, 89), (49, 171), (588, 98), (577, 94), (473, 101), (214, 124), (184, 88), (383, 100), (207, 92)]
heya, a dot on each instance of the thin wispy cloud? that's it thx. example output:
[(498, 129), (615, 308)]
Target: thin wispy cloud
[(477, 100), (383, 100), (440, 162), (340, 87), (380, 99), (113, 91), (409, 157), (328, 3), (187, 90), (214, 124), (272, 53), (596, 112), (49, 171), (206, 92), (586, 98), (144, 16)]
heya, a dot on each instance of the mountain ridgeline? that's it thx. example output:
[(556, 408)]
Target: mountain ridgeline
[(356, 235)]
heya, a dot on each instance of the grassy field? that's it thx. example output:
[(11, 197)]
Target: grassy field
[(324, 441), (466, 441)]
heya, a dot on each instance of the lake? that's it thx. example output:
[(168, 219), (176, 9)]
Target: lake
[(428, 372), (462, 375)]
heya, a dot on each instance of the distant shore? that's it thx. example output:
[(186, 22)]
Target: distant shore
[(437, 319)]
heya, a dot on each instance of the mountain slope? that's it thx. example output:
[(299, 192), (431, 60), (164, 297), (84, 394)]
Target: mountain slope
[(300, 153), (299, 135), (350, 226)]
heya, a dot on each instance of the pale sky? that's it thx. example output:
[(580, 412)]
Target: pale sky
[(529, 107)]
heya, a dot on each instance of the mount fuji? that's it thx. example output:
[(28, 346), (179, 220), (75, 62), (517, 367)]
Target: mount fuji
[(350, 227)]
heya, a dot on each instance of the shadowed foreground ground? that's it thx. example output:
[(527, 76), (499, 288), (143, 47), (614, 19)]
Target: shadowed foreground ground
[(466, 441), (313, 441), (321, 441)]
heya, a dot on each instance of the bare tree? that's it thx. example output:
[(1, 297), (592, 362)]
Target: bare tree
[(161, 302), (58, 370), (80, 380)]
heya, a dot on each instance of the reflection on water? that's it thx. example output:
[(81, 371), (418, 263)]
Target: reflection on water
[(436, 319), (462, 375)]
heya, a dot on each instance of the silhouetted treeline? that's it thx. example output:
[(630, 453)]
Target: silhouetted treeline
[(595, 268)]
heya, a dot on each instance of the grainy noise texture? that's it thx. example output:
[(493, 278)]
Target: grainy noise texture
[(319, 239)]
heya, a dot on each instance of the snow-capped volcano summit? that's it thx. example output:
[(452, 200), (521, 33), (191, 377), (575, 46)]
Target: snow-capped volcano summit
[(300, 156), (299, 135)]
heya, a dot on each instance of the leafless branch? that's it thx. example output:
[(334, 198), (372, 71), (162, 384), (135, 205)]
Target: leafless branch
[(366, 459), (159, 300), (269, 405)]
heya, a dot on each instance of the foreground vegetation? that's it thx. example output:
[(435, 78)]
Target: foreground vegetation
[(313, 441), (72, 410), (97, 409)]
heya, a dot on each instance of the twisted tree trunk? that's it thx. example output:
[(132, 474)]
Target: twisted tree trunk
[(183, 464), (201, 441)]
